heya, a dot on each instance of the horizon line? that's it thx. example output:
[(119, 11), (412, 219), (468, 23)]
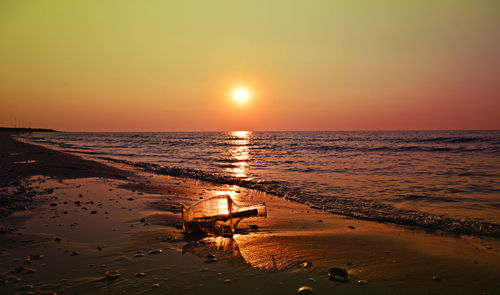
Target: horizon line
[(194, 131)]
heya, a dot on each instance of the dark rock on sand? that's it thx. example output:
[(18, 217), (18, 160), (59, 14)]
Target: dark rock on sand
[(254, 227), (304, 290), (112, 274), (139, 274), (305, 264), (211, 260), (210, 256), (338, 274)]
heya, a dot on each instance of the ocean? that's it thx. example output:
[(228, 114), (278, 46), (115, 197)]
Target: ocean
[(447, 180)]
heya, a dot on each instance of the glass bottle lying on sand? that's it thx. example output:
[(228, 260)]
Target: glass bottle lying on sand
[(218, 215)]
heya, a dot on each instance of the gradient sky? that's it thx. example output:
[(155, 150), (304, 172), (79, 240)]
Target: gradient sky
[(311, 65)]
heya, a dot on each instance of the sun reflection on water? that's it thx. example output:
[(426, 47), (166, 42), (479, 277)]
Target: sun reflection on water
[(240, 153)]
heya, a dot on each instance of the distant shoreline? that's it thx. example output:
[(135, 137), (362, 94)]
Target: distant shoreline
[(22, 130)]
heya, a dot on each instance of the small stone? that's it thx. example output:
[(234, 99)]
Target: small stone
[(75, 253), (139, 255), (211, 260), (436, 278), (351, 227), (155, 285), (210, 256), (254, 227), (112, 274), (57, 239), (53, 204), (99, 248), (304, 290), (203, 269), (93, 212), (305, 264), (338, 274), (130, 199), (362, 282), (319, 220), (227, 281), (476, 262), (143, 219), (139, 274)]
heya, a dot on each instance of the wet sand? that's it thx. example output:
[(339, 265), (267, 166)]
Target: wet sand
[(86, 218)]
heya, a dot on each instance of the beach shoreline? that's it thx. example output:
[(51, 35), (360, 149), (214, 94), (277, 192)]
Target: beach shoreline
[(143, 216)]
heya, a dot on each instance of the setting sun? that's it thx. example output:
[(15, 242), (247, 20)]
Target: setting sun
[(241, 94)]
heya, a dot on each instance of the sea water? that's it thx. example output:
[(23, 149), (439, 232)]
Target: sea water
[(447, 180)]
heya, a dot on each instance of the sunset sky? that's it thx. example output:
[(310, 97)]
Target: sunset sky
[(308, 65)]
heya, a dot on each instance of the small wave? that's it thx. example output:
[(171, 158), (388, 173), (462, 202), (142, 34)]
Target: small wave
[(357, 208), (450, 139)]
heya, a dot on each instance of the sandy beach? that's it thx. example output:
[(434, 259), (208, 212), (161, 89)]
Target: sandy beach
[(67, 221)]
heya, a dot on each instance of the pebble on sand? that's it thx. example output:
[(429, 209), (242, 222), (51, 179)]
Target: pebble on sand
[(254, 227), (75, 253), (305, 264), (139, 274), (304, 290), (156, 285), (436, 278), (338, 274), (112, 274)]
